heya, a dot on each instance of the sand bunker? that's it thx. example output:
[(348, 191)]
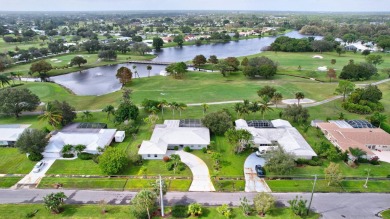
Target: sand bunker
[(322, 68), (317, 57)]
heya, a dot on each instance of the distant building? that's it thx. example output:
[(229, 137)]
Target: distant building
[(10, 133)]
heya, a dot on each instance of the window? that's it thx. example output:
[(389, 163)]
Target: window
[(155, 155), (148, 155)]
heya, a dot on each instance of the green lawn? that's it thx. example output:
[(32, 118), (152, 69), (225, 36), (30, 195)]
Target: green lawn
[(84, 183), (12, 161), (6, 182), (322, 186), (74, 167), (123, 211), (229, 185), (173, 185), (386, 214)]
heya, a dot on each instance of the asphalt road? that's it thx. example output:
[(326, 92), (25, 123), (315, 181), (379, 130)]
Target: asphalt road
[(330, 205)]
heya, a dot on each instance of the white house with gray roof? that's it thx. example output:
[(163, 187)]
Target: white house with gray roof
[(10, 133), (277, 133), (170, 134)]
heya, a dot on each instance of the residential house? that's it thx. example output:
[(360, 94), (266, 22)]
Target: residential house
[(10, 133)]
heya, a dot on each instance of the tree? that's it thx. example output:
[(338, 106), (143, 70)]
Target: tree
[(52, 115), (213, 59), (4, 80), (151, 120), (333, 61), (126, 111), (377, 119), (366, 52), (176, 161), (245, 206), (279, 162), (91, 46), (143, 204), (199, 60), (263, 202), (157, 43), (331, 74), (177, 70), (264, 106), (124, 75), (224, 210), (141, 48), (223, 67), (78, 60), (68, 148), (162, 104), (296, 112), (277, 98), (113, 160), (218, 122), (384, 43), (321, 45), (149, 68), (156, 187), (14, 101), (174, 106), (374, 59), (358, 71), (181, 107), (87, 115), (107, 55), (260, 66), (299, 96), (298, 206), (194, 209), (238, 138), (110, 110), (357, 152), (345, 87), (32, 141), (42, 67), (204, 107), (79, 148), (233, 63), (333, 174), (340, 50), (54, 201), (386, 71), (245, 62), (179, 40), (66, 111), (266, 91)]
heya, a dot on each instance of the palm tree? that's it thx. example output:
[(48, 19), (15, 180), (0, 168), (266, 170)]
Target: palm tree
[(205, 107), (18, 75), (149, 67), (174, 107), (4, 80), (299, 96), (246, 107), (52, 115), (110, 110), (181, 106), (79, 148), (86, 115), (135, 71), (162, 104), (13, 76), (357, 152), (264, 106), (381, 118), (277, 98), (67, 149), (238, 108)]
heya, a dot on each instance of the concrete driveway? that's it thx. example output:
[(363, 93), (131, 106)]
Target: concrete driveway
[(33, 179), (201, 181), (252, 182)]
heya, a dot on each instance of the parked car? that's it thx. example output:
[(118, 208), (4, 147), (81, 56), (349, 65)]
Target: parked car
[(260, 153), (260, 171), (38, 166)]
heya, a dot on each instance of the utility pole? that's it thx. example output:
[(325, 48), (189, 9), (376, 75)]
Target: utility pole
[(162, 198), (312, 192)]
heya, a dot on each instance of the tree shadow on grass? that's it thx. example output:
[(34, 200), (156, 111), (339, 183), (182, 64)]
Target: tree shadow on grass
[(70, 210)]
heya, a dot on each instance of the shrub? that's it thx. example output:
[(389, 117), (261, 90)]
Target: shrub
[(195, 209), (176, 148), (95, 158), (35, 157), (165, 158), (169, 166), (204, 150), (85, 156), (374, 161), (68, 155), (313, 162), (179, 211), (187, 149), (181, 166)]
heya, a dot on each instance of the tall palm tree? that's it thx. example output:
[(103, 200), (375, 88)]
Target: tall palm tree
[(181, 106), (205, 107), (264, 106), (110, 110), (162, 104), (52, 115), (277, 98), (173, 106), (86, 115), (19, 76), (13, 76), (299, 96), (4, 80), (149, 67), (238, 108)]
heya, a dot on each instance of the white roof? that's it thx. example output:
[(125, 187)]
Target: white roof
[(119, 133), (170, 133), (287, 136), (12, 132), (91, 140)]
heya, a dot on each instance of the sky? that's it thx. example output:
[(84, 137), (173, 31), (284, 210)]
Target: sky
[(252, 5)]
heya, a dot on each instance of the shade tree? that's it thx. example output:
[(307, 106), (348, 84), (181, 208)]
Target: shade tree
[(14, 101)]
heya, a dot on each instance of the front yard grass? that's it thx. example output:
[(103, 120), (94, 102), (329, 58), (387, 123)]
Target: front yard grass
[(172, 184), (6, 182), (322, 186), (13, 162), (74, 167), (83, 183), (386, 214)]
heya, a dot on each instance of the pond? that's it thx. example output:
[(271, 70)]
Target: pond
[(102, 80)]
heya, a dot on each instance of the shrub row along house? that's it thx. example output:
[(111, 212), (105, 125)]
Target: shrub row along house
[(9, 134), (356, 134), (174, 133), (275, 133)]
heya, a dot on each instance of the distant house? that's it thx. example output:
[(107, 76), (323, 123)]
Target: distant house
[(277, 133), (174, 133), (9, 134), (350, 48), (91, 135), (167, 39), (356, 134)]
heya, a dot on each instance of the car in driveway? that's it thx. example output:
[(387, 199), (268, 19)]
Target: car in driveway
[(261, 153), (260, 171), (38, 166)]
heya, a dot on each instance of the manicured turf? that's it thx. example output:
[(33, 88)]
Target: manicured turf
[(322, 186), (386, 214), (229, 185), (6, 182), (12, 161), (173, 185), (75, 167), (123, 211), (84, 183)]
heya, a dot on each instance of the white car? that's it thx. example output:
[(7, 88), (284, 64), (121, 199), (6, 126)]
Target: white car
[(260, 153), (38, 166)]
